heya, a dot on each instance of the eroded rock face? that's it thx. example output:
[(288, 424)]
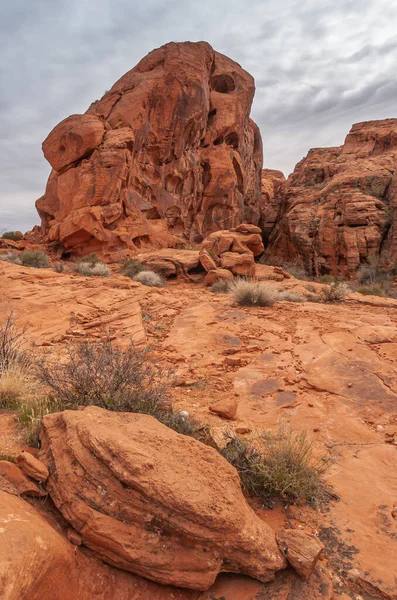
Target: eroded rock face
[(168, 151), (38, 563), (153, 502), (339, 205)]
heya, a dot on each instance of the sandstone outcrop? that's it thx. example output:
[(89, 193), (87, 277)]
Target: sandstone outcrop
[(153, 502), (271, 186), (38, 563), (168, 151), (339, 206)]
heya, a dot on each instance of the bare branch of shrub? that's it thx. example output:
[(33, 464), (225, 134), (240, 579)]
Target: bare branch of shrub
[(13, 350)]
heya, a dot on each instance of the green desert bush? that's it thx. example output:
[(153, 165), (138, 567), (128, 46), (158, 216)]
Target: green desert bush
[(374, 289), (35, 258), (11, 235), (89, 269), (285, 470), (131, 267), (149, 278), (335, 292), (222, 286), (290, 296), (249, 292)]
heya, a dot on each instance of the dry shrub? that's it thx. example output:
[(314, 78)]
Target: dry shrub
[(58, 267), (103, 375), (89, 269), (372, 272), (35, 258), (285, 470), (222, 286), (131, 267), (335, 292), (12, 257), (288, 296), (13, 351), (17, 386), (149, 278), (249, 292)]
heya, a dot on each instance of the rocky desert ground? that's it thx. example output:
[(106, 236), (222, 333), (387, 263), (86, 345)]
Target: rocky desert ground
[(156, 215)]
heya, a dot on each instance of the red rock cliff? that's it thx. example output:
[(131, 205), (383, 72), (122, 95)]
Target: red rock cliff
[(168, 151), (339, 205)]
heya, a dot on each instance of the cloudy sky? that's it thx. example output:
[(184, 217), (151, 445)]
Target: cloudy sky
[(319, 66)]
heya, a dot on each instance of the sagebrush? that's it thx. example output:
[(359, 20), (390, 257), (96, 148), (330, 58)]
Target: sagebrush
[(249, 292), (285, 470), (90, 269), (150, 278)]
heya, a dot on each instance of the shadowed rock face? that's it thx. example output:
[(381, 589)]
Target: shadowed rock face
[(339, 205), (168, 151)]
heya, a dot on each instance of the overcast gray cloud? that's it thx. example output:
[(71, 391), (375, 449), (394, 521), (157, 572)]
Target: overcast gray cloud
[(319, 66)]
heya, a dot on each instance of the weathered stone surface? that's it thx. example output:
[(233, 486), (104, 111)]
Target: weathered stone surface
[(167, 507), (38, 563), (72, 139), (207, 261), (301, 549), (239, 264), (271, 186), (225, 409), (339, 206), (14, 481), (170, 262), (168, 151), (240, 240), (32, 467), (216, 274)]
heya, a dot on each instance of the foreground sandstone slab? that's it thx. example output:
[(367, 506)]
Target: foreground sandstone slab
[(38, 563), (153, 502)]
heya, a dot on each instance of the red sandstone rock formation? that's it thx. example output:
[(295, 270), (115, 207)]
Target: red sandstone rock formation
[(339, 205), (271, 185), (168, 151), (153, 502)]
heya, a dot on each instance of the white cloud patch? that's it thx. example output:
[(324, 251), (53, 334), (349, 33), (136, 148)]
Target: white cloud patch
[(318, 66)]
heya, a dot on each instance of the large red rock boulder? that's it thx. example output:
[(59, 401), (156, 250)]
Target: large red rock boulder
[(153, 502), (38, 563), (168, 151), (339, 206)]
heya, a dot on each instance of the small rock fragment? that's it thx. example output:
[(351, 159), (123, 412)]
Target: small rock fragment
[(302, 550), (32, 467)]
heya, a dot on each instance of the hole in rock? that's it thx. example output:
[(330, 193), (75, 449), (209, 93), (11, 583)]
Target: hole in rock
[(218, 141), (141, 240), (224, 84), (211, 117), (232, 139)]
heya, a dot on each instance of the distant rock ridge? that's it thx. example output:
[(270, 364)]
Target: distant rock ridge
[(169, 152), (339, 206)]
